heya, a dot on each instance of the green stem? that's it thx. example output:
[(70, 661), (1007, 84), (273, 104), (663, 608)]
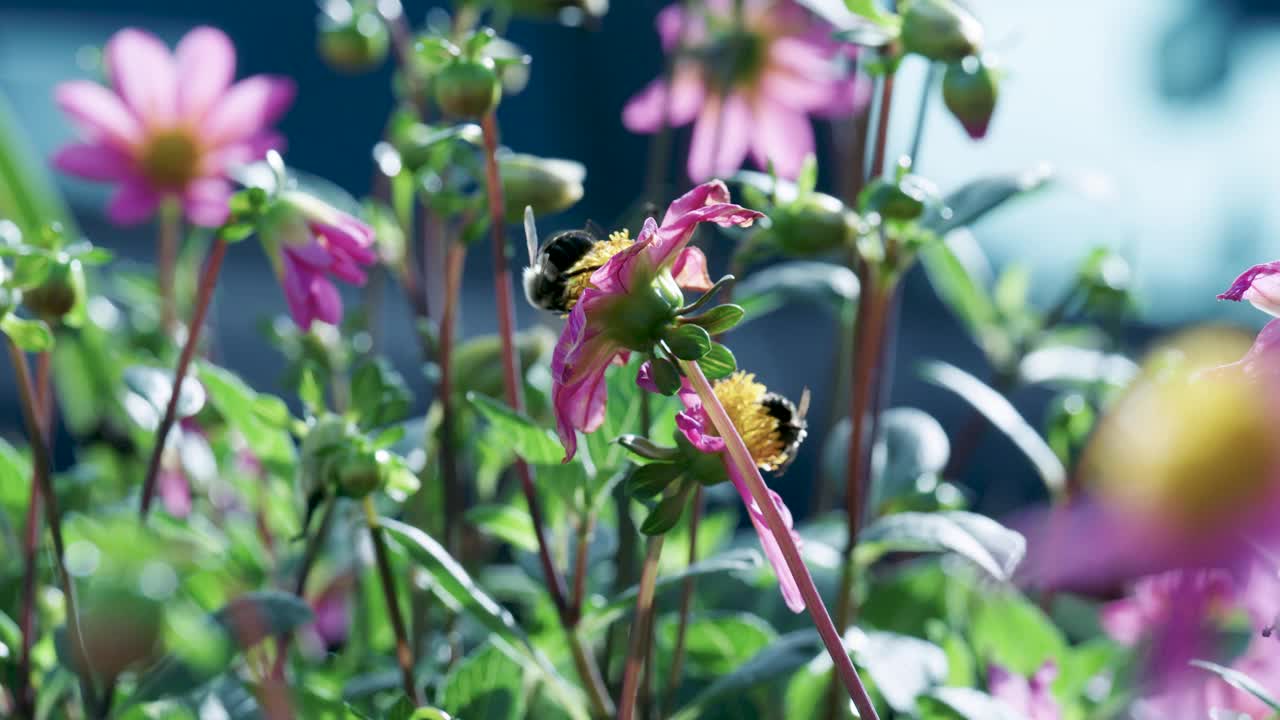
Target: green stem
[(640, 630), (686, 601), (404, 653), (740, 456), (167, 242)]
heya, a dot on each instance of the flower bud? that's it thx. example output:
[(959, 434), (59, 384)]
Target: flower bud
[(969, 90), (468, 87), (320, 452), (547, 185), (120, 629), (812, 225), (352, 39), (359, 474), (940, 30), (893, 201), (59, 293)]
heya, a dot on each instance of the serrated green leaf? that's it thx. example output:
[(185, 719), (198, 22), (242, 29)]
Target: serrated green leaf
[(716, 643), (243, 408)]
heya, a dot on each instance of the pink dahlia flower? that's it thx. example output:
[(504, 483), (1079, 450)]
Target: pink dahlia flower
[(749, 88), (746, 403), (629, 300), (1033, 697), (170, 124), (318, 241)]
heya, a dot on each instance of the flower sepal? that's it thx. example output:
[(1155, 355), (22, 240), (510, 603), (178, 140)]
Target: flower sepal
[(638, 320), (667, 513)]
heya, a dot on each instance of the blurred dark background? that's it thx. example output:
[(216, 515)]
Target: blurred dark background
[(1158, 115)]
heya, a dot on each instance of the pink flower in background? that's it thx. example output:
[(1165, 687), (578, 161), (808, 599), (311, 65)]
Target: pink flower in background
[(317, 241), (1033, 697), (748, 89), (171, 124), (601, 329), (1259, 285), (332, 608)]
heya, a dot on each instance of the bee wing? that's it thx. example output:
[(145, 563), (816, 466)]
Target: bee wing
[(531, 234), (803, 409), (595, 230)]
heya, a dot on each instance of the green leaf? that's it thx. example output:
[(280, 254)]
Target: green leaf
[(777, 661), (485, 684), (718, 363), (1002, 414), (154, 386), (30, 335), (957, 288), (901, 666), (1009, 630), (912, 447), (719, 319), (1241, 681), (743, 560), (688, 342), (994, 548), (666, 513), (665, 376), (241, 406), (647, 481), (505, 522), (717, 643), (970, 704), (975, 199), (310, 392), (828, 285), (537, 445), (379, 395), (1068, 366)]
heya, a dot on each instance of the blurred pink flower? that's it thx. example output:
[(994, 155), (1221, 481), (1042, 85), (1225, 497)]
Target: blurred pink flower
[(747, 89), (631, 298), (316, 242), (331, 627), (694, 423), (1033, 697), (171, 124), (1260, 285)]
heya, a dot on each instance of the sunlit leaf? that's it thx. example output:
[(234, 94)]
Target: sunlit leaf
[(243, 409), (977, 538), (536, 445), (775, 662), (975, 199), (833, 287), (485, 684), (1011, 631), (1241, 681), (717, 643), (507, 523), (970, 704), (901, 666), (30, 335), (1066, 365)]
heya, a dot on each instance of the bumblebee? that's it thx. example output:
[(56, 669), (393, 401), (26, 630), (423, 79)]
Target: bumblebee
[(558, 270), (792, 423)]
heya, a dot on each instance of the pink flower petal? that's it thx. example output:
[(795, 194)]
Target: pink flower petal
[(248, 107), (578, 365), (99, 112), (206, 201), (1259, 286), (690, 270), (93, 162), (295, 283), (244, 152), (325, 300), (312, 254), (782, 137), (206, 66), (133, 203), (644, 112), (772, 551), (721, 136), (143, 72), (693, 423), (175, 492)]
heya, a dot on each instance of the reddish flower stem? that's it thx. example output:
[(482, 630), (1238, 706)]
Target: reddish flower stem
[(404, 653), (24, 694), (640, 631), (454, 497), (740, 456), (587, 669), (167, 242), (676, 673), (208, 280)]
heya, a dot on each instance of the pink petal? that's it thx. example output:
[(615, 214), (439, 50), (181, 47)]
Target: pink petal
[(690, 270), (244, 152), (295, 283), (720, 139), (143, 72), (100, 112), (578, 365), (93, 162), (685, 214), (249, 107), (312, 254), (206, 66), (175, 492), (1124, 621), (675, 28), (206, 202), (708, 193), (693, 423), (786, 581), (782, 137), (1259, 286), (644, 112), (325, 300), (133, 203)]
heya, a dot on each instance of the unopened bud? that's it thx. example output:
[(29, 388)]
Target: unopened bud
[(352, 38), (359, 474), (812, 225), (969, 90), (59, 292), (468, 88), (119, 629), (893, 201), (940, 30), (547, 185)]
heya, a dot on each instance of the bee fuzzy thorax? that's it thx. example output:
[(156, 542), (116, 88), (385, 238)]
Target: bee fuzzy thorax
[(562, 269), (769, 424)]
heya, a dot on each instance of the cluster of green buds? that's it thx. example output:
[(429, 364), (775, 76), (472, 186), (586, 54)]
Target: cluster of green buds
[(352, 35), (336, 457), (468, 78), (800, 222), (894, 210), (45, 276)]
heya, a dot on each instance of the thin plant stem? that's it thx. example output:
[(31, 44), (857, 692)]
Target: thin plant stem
[(922, 113), (686, 600), (24, 694), (404, 653), (167, 242), (41, 466), (587, 669), (454, 497), (640, 630), (585, 528), (739, 457), (402, 41), (208, 280), (882, 126), (309, 555)]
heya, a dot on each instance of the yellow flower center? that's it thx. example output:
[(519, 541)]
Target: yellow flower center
[(170, 159), (743, 400), (599, 254)]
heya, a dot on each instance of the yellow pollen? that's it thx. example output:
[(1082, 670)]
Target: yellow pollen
[(742, 398), (597, 256), (170, 158)]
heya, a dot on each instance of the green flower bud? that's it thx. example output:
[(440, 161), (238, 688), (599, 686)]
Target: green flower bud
[(352, 39), (969, 90), (812, 225), (468, 87), (321, 451), (359, 474), (547, 185), (120, 629), (940, 30), (59, 293), (900, 201)]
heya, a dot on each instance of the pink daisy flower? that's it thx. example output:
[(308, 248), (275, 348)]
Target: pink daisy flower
[(630, 298), (170, 124), (312, 243), (1033, 696), (749, 88)]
